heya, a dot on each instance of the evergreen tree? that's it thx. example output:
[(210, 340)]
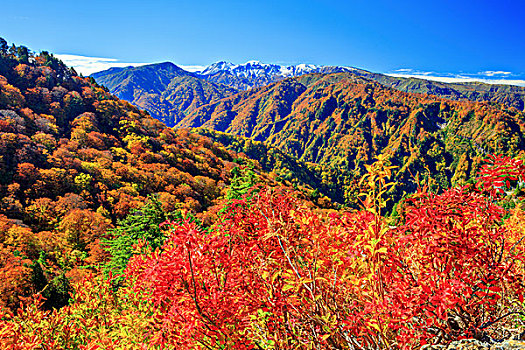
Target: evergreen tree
[(142, 225), (3, 46), (23, 54)]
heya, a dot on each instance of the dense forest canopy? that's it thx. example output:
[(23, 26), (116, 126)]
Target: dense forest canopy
[(341, 122)]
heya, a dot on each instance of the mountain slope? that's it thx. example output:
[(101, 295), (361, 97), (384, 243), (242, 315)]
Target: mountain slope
[(152, 78), (170, 93), (256, 74), (343, 121), (74, 160), (166, 91), (262, 113), (281, 166), (510, 95)]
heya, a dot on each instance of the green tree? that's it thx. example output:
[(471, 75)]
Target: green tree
[(3, 46), (142, 225), (23, 54), (242, 181)]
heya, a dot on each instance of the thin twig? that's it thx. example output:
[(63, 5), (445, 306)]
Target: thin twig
[(488, 324)]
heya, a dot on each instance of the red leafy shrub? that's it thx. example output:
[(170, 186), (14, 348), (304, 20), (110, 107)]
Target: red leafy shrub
[(499, 173), (453, 267), (276, 273)]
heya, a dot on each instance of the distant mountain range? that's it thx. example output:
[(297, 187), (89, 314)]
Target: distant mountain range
[(255, 74), (334, 120), (510, 95), (170, 93)]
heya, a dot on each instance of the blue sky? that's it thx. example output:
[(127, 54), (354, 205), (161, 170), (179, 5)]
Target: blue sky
[(448, 38)]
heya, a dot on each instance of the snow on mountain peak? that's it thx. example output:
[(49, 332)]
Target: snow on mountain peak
[(217, 67), (254, 73), (258, 69)]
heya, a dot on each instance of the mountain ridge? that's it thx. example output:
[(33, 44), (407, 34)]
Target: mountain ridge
[(256, 74), (342, 121), (170, 93), (165, 90), (511, 95)]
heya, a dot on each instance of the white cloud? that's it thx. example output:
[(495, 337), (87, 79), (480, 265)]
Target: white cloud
[(88, 65), (409, 71), (192, 68), (457, 78), (491, 73)]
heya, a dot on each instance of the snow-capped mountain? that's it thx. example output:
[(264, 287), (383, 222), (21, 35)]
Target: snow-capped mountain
[(258, 69), (217, 67), (254, 73)]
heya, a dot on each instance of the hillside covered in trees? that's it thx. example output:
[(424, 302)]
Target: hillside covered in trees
[(117, 232), (170, 93), (342, 122), (510, 95), (335, 123), (74, 160), (166, 91)]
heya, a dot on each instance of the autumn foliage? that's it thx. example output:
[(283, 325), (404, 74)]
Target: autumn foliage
[(74, 160), (274, 273), (340, 122), (236, 263)]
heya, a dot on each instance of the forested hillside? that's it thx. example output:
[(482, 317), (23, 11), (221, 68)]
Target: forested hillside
[(74, 160), (510, 95), (281, 166), (166, 91), (170, 93), (342, 122), (117, 232)]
